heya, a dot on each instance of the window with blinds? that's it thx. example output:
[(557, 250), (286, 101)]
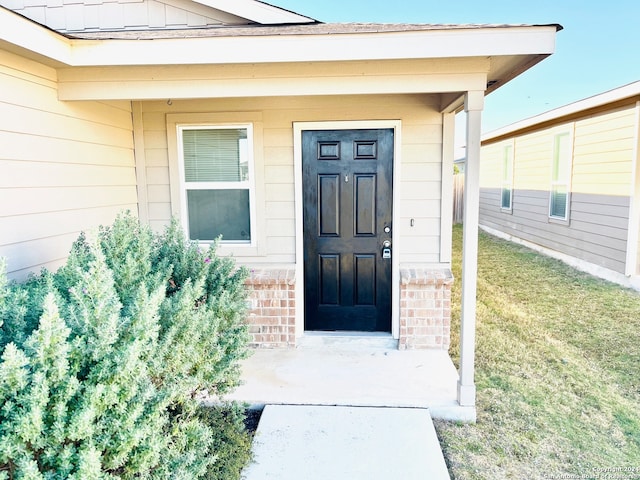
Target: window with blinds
[(560, 177), (218, 184)]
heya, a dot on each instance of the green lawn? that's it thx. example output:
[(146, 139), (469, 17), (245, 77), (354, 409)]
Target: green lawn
[(557, 372)]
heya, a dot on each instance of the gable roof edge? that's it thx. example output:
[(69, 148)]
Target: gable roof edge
[(257, 11), (589, 103), (35, 41)]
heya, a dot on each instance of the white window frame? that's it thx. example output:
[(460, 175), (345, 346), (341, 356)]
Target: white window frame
[(554, 183), (249, 184), (507, 180)]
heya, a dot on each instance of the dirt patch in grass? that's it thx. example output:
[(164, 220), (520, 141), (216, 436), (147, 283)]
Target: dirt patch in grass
[(558, 372)]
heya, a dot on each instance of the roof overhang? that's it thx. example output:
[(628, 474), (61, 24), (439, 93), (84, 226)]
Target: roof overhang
[(611, 99), (317, 59), (256, 11), (286, 48)]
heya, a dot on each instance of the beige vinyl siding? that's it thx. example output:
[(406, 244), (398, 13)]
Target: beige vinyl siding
[(420, 172), (64, 166), (596, 230)]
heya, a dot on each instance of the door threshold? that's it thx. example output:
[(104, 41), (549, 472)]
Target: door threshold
[(347, 339)]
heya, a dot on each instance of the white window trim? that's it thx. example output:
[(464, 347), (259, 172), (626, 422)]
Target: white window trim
[(553, 183), (507, 182), (249, 185)]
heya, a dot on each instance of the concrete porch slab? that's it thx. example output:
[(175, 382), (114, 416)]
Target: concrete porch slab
[(345, 443), (353, 371)]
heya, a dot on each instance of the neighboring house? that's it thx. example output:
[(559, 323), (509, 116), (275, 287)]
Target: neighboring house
[(322, 153), (567, 183)]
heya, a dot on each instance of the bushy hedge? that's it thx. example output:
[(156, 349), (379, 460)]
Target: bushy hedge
[(103, 361)]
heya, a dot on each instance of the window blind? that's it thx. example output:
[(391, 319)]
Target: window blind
[(215, 155)]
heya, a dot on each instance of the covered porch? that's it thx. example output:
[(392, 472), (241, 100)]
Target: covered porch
[(413, 77), (356, 370)]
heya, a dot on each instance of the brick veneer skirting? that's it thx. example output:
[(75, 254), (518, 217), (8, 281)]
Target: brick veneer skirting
[(272, 315), (425, 308)]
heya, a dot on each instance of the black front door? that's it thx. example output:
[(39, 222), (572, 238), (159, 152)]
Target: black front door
[(347, 191)]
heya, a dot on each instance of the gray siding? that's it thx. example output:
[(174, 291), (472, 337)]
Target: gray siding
[(596, 231), (601, 184)]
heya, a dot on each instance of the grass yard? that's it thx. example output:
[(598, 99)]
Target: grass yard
[(557, 372)]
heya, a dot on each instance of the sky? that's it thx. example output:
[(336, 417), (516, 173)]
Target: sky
[(598, 49)]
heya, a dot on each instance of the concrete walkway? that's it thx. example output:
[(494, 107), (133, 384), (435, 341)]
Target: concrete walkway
[(345, 443), (349, 407), (365, 371)]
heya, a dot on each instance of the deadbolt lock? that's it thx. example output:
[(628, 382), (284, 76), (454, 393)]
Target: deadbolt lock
[(386, 249)]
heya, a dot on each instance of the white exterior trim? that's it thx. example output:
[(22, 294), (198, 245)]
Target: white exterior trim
[(257, 11), (34, 41), (578, 264), (510, 144), (25, 37), (178, 207), (298, 128), (141, 162), (446, 205), (249, 185), (478, 42), (570, 131), (90, 85), (473, 105), (633, 239)]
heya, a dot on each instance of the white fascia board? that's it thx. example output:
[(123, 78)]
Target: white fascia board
[(612, 96), (92, 88), (33, 40), (317, 48), (258, 12)]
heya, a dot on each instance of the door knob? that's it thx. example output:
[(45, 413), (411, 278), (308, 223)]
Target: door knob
[(386, 249)]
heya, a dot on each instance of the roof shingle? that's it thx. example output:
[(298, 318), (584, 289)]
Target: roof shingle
[(264, 30)]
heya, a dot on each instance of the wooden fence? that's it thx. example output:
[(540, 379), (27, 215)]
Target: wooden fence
[(458, 197)]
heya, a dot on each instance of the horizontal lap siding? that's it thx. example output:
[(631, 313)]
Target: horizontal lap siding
[(601, 185), (420, 172), (65, 167)]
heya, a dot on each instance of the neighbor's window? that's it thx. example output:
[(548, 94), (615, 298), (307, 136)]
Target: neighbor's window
[(217, 171), (507, 178), (560, 177)]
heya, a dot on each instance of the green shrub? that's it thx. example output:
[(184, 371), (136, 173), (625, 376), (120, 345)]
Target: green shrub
[(103, 361)]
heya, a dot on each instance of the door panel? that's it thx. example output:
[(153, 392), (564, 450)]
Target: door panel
[(365, 271), (329, 202), (365, 204), (347, 178), (329, 279)]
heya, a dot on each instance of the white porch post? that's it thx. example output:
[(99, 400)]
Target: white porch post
[(473, 105)]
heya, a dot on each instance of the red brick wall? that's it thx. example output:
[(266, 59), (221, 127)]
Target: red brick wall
[(272, 316), (425, 308)]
